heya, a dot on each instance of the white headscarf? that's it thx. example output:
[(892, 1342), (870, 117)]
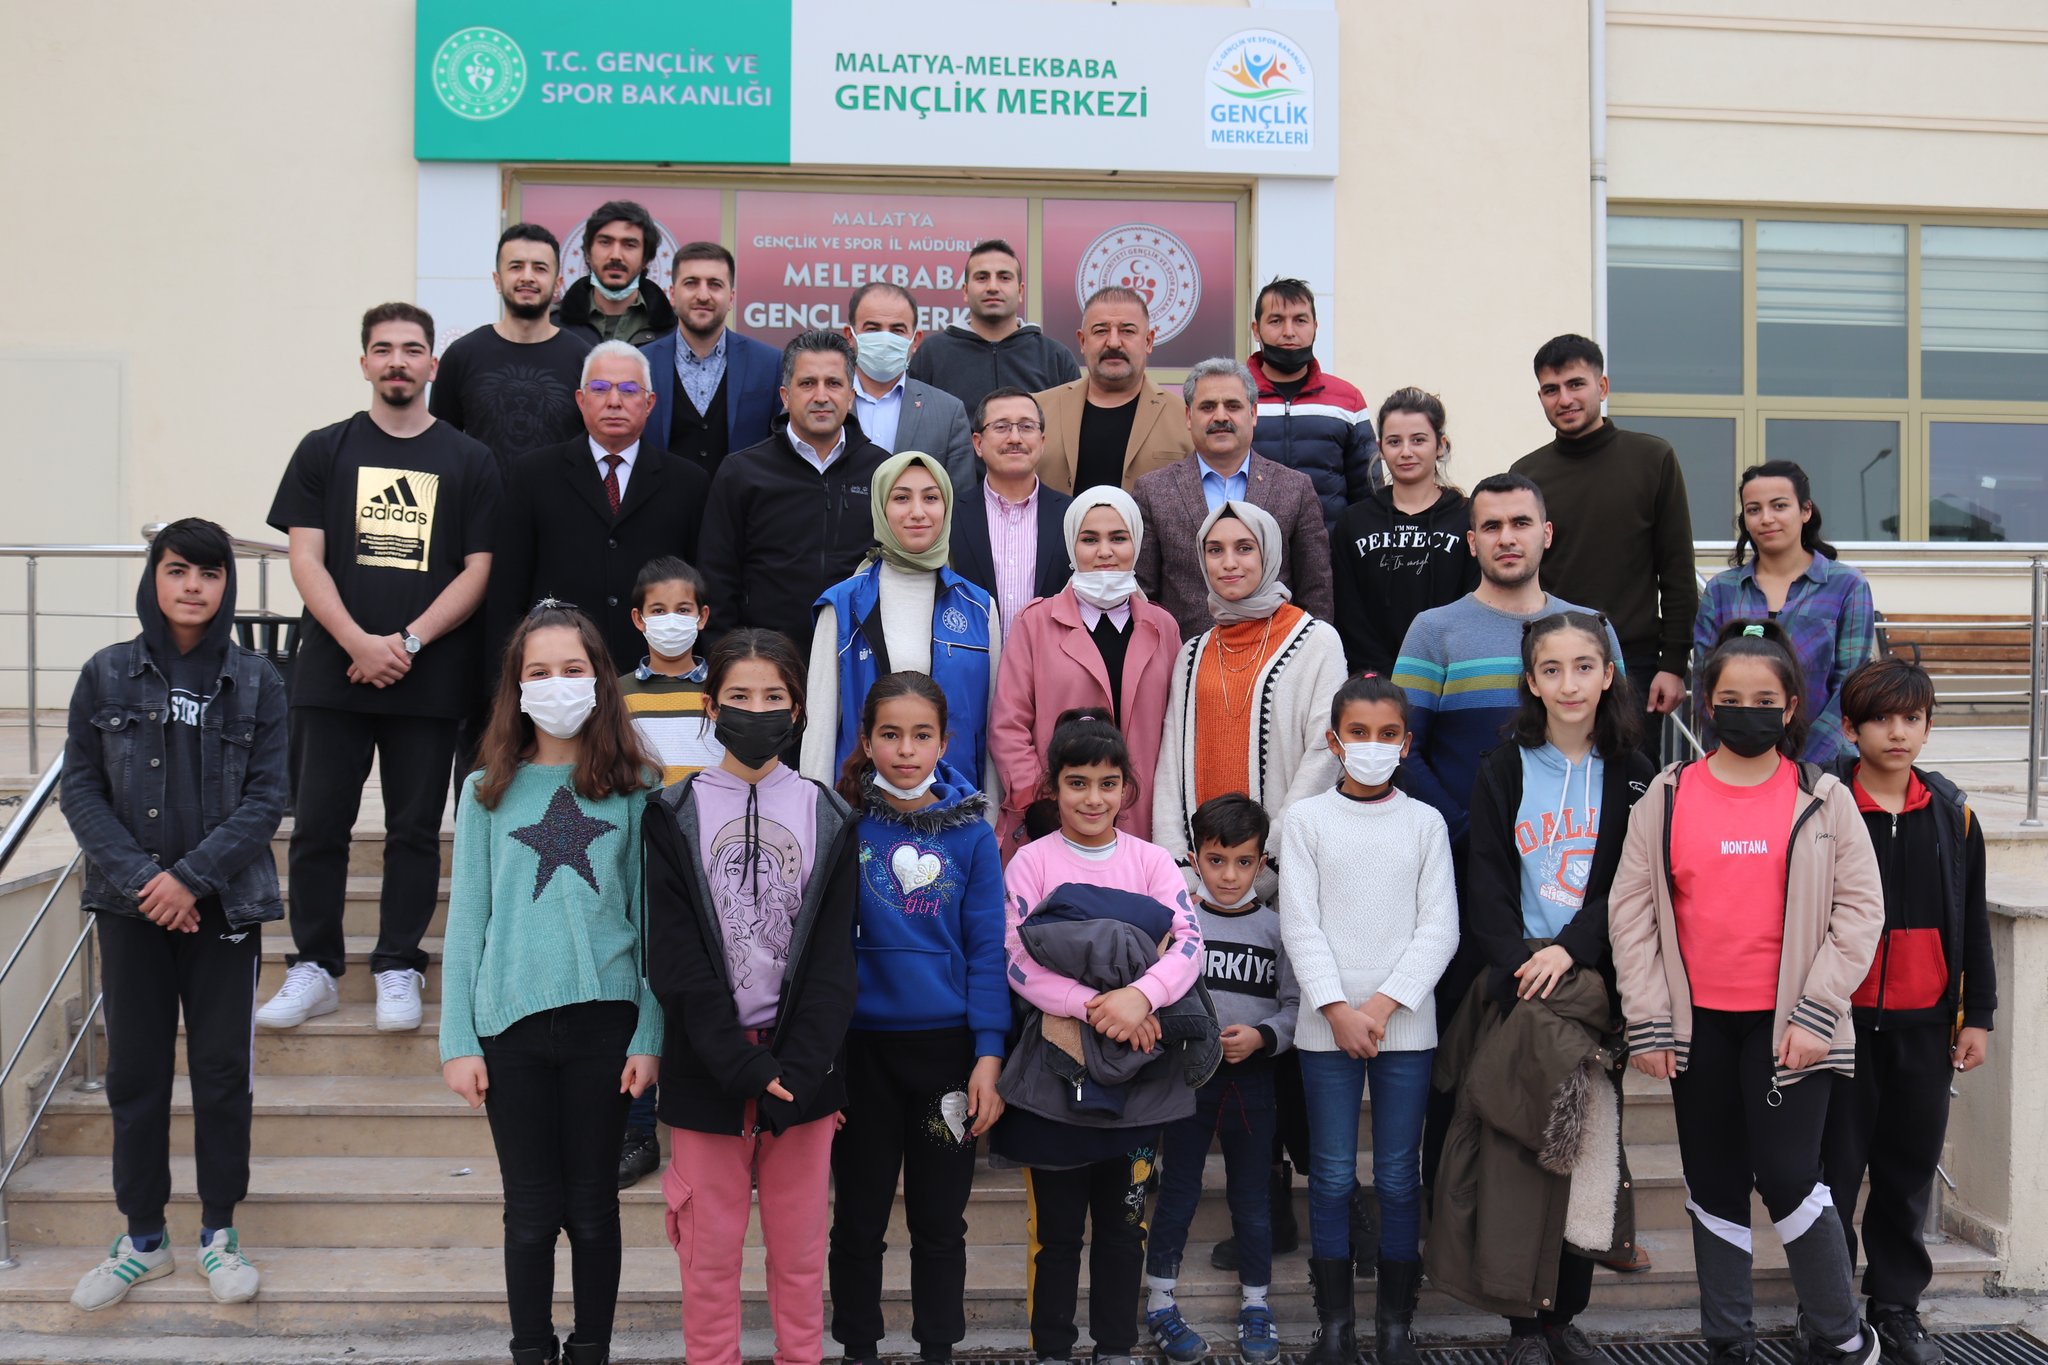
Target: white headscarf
[(1110, 496), (1270, 594)]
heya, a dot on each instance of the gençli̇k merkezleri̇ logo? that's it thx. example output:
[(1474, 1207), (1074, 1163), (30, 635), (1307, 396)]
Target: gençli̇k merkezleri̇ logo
[(1262, 93)]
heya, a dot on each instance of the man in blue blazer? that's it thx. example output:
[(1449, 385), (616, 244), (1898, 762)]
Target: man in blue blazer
[(1009, 436), (716, 390)]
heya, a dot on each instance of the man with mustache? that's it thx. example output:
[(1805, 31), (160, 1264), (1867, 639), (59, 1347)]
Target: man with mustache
[(717, 388), (996, 348), (390, 515), (790, 517), (1222, 406), (512, 385), (1113, 425), (1011, 540), (614, 301)]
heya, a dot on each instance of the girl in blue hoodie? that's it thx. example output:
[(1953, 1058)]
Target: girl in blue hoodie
[(929, 1022)]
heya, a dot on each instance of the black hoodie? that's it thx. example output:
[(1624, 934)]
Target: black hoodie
[(1390, 567), (192, 677)]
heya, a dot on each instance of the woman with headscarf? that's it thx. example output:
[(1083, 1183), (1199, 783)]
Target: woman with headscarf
[(1249, 708), (903, 609), (1096, 643)]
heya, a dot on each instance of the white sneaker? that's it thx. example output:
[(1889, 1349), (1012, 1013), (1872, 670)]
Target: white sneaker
[(398, 1000), (230, 1278), (307, 991), (108, 1282)]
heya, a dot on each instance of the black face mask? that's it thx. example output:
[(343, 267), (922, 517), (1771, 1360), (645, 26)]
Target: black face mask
[(1287, 359), (753, 737), (1749, 730)]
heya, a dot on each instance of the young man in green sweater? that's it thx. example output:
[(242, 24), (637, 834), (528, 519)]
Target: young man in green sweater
[(1621, 528)]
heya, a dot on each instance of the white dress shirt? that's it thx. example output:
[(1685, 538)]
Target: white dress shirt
[(626, 458)]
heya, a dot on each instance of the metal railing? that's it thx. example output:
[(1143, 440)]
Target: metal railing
[(85, 945), (32, 615)]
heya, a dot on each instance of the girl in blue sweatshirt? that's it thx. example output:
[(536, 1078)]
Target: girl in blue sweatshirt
[(928, 1024)]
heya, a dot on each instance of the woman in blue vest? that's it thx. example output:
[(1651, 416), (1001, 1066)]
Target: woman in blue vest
[(903, 609)]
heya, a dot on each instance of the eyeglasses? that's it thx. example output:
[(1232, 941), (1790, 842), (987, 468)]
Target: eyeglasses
[(1027, 427), (626, 387)]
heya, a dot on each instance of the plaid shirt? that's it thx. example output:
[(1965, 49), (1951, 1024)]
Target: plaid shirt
[(1833, 627)]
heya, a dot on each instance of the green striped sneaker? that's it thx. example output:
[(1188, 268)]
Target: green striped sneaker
[(109, 1282), (232, 1279)]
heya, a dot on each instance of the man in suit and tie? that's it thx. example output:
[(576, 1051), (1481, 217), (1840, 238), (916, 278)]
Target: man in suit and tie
[(1112, 425), (579, 519), (1222, 402), (1010, 541), (718, 391), (897, 412)]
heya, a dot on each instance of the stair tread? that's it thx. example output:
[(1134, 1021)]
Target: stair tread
[(359, 1096), (445, 1274), (277, 945)]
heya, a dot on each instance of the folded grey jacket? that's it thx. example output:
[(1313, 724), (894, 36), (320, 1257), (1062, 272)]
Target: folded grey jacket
[(1063, 1070)]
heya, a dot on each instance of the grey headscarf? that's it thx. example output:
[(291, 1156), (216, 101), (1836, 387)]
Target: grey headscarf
[(1270, 594)]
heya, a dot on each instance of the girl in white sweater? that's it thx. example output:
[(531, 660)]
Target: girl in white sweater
[(1370, 919)]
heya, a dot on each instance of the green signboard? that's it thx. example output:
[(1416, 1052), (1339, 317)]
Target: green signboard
[(536, 80)]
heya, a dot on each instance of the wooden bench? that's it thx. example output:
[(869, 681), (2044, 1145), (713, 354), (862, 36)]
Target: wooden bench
[(1950, 644)]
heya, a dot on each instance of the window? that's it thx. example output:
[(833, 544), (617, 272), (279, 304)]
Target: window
[(1903, 362)]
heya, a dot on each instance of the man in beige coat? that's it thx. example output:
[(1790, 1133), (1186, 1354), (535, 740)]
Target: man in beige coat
[(1112, 424)]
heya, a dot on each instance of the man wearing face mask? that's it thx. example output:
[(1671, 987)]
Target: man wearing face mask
[(613, 302), (717, 388), (579, 519), (897, 412), (1309, 419)]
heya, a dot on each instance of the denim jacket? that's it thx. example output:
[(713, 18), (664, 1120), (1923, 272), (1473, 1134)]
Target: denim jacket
[(115, 782)]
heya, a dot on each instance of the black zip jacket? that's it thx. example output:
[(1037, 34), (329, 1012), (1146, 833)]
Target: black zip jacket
[(575, 309), (1389, 567), (1931, 860), (777, 533), (1491, 917), (710, 1068)]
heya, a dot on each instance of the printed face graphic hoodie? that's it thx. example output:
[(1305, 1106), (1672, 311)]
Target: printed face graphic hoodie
[(1556, 828), (192, 677)]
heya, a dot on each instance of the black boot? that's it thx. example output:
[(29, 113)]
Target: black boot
[(1393, 1314), (586, 1353), (1365, 1238), (537, 1355), (1336, 1342)]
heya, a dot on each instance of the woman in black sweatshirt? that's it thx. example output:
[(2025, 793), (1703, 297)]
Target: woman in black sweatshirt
[(1401, 551)]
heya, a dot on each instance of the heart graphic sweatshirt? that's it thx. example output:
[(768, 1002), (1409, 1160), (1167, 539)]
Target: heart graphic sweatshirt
[(928, 935)]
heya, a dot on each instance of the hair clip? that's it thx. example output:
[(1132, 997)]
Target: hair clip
[(1754, 630), (551, 604)]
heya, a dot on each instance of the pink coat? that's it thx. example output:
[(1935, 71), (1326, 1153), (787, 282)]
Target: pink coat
[(1050, 664)]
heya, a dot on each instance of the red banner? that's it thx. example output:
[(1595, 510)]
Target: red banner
[(1180, 254)]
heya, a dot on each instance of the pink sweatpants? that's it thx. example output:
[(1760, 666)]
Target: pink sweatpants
[(708, 1185)]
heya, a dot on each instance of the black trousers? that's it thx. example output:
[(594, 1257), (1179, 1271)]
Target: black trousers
[(149, 975), (1574, 1292), (331, 753), (556, 1119), (1640, 675), (1290, 1113), (1061, 1205), (1889, 1120), (896, 1083)]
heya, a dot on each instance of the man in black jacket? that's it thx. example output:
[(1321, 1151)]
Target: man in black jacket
[(579, 519), (790, 517), (616, 301)]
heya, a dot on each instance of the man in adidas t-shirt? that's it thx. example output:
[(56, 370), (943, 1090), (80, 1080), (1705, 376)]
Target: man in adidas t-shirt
[(389, 515)]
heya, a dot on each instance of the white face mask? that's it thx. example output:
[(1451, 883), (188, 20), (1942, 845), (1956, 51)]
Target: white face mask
[(1371, 764), (906, 793), (559, 706), (619, 295), (1105, 589), (881, 355), (671, 635), (1240, 903)]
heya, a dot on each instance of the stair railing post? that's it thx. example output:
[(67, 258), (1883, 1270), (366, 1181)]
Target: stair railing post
[(2034, 684), (89, 1080)]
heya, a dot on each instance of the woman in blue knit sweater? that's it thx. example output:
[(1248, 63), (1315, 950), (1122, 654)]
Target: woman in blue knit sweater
[(927, 1039), (546, 1017)]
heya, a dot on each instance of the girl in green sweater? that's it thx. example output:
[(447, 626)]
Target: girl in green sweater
[(544, 991)]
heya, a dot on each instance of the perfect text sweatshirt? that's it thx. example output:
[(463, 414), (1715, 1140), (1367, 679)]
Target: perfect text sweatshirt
[(1389, 567)]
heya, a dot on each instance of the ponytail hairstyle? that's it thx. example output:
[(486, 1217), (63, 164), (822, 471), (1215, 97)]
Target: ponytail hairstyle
[(1802, 490), (1617, 723), (1765, 640), (754, 643), (1430, 407), (609, 759), (1368, 687), (1085, 737), (859, 767)]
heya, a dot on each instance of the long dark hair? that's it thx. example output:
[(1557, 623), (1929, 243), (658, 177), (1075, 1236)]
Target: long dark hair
[(1802, 489), (1430, 408), (609, 759), (1616, 724), (1082, 738), (853, 775), (1368, 687), (1765, 640), (738, 646)]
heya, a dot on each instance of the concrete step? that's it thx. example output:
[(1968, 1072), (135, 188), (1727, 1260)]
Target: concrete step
[(359, 914), (310, 1291), (365, 849), (357, 983), (358, 1116), (344, 1043)]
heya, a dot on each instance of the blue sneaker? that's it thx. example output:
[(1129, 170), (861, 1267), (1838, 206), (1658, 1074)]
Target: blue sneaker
[(1258, 1338), (1177, 1340)]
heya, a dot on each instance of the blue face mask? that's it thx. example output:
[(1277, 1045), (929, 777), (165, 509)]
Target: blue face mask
[(882, 355), (616, 295)]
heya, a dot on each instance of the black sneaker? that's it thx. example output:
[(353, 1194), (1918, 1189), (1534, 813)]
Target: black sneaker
[(639, 1157), (1865, 1352), (1569, 1346), (1528, 1350), (1903, 1338)]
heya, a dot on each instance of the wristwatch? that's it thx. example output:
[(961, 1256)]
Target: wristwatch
[(413, 643)]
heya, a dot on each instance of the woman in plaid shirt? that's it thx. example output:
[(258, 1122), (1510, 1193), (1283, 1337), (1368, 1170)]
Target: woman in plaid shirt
[(1796, 580)]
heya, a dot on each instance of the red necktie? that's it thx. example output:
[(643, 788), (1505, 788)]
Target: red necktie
[(611, 480)]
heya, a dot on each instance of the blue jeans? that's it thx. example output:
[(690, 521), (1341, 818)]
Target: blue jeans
[(1236, 1106), (640, 1118), (1334, 1084)]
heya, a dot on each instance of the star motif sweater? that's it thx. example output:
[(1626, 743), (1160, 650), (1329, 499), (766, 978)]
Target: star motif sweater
[(544, 910)]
